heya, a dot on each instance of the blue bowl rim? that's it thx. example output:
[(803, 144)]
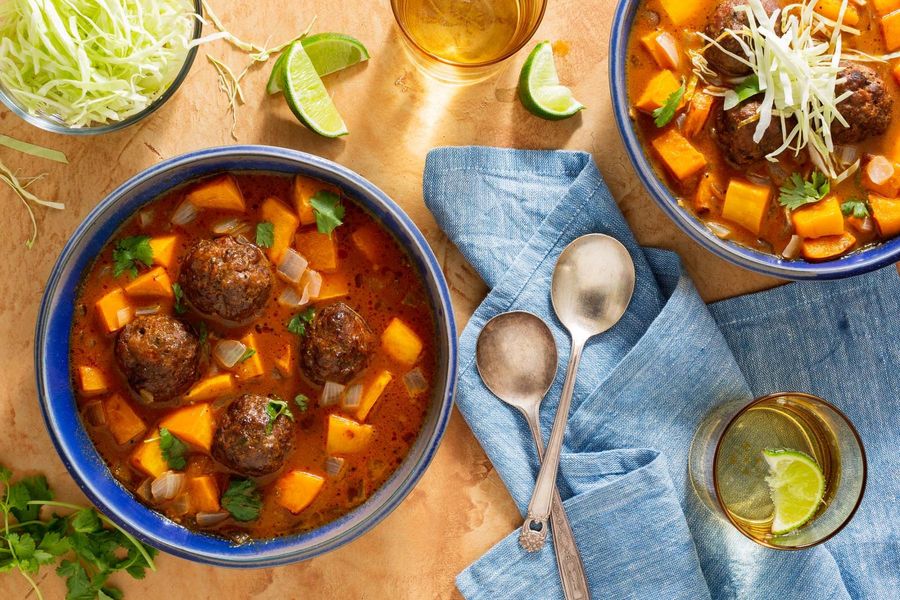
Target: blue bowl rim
[(856, 263), (48, 124), (285, 546)]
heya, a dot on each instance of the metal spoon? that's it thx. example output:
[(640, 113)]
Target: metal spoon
[(592, 286), (516, 358)]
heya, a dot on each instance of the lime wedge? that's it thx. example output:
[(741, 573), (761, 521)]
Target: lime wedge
[(329, 53), (306, 94), (797, 486), (540, 90)]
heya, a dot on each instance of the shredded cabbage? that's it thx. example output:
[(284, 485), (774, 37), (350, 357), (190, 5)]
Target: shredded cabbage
[(90, 62)]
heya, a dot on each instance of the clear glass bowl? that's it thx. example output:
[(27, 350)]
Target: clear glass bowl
[(55, 125)]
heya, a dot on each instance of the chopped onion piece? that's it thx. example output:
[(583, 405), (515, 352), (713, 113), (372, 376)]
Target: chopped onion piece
[(146, 218), (312, 280), (143, 311), (124, 315), (146, 397), (229, 226), (185, 213), (352, 396), (846, 154), (208, 519), (167, 486), (292, 266), (792, 250), (719, 230), (331, 394), (291, 298), (334, 466), (879, 170), (415, 382), (865, 226), (666, 42), (229, 352), (143, 490), (94, 414), (181, 505)]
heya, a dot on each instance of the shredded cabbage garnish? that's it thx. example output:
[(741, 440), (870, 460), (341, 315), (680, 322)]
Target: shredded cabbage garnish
[(90, 62), (797, 71)]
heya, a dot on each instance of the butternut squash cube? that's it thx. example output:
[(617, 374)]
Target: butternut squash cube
[(372, 391), (679, 156), (886, 214), (705, 197), (155, 283), (164, 251), (297, 489), (253, 366), (114, 310), (890, 27), (826, 248), (191, 424), (659, 88), (204, 494), (882, 176), (821, 219), (401, 342), (147, 457), (830, 9), (746, 204), (680, 11), (369, 240), (91, 381), (304, 189), (698, 114), (123, 422), (884, 7), (285, 224), (334, 285), (346, 436), (220, 193), (285, 361), (319, 249), (211, 388)]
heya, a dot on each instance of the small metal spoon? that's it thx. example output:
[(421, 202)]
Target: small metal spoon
[(516, 358), (592, 286)]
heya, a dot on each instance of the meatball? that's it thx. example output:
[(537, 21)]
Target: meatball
[(727, 16), (159, 356), (867, 110), (226, 277), (245, 441), (337, 346), (734, 132)]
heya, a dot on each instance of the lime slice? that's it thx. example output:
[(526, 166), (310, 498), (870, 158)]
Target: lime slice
[(797, 486), (329, 53), (539, 87), (306, 94)]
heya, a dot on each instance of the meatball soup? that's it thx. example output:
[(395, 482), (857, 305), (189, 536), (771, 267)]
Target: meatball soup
[(774, 122), (253, 355)]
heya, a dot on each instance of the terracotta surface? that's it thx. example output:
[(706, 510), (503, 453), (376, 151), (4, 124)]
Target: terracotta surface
[(460, 508)]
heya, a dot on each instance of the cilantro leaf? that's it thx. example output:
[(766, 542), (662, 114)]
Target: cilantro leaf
[(180, 308), (173, 449), (248, 353), (130, 251), (800, 192), (242, 500), (265, 234), (302, 402), (665, 113), (25, 490), (328, 210), (745, 90), (274, 409), (856, 208), (204, 333), (86, 521), (298, 322)]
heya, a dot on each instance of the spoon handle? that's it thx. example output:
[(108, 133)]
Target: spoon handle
[(568, 558), (534, 529)]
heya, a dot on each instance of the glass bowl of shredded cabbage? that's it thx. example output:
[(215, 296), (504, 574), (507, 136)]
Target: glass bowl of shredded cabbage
[(85, 67)]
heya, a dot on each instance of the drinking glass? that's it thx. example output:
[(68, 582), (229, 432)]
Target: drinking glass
[(728, 471), (465, 41)]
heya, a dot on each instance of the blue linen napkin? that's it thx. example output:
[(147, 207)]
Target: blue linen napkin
[(644, 387)]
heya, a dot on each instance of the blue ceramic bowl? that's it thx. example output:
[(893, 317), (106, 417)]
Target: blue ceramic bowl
[(57, 395), (768, 264)]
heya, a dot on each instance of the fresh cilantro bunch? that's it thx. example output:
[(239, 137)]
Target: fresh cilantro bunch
[(89, 546)]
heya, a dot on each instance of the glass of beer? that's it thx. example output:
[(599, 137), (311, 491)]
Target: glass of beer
[(465, 41), (787, 470)]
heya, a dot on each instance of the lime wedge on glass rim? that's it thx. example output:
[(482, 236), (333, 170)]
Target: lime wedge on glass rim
[(797, 487), (540, 90), (306, 94), (329, 53)]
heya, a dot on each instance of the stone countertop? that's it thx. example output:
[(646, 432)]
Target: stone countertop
[(460, 508)]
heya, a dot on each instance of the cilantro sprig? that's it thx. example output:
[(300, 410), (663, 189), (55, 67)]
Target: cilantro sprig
[(297, 324), (247, 355), (129, 252), (242, 500), (800, 192), (180, 308), (274, 409), (665, 113), (302, 402), (328, 210), (265, 234), (855, 207), (89, 546), (173, 449), (745, 90)]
